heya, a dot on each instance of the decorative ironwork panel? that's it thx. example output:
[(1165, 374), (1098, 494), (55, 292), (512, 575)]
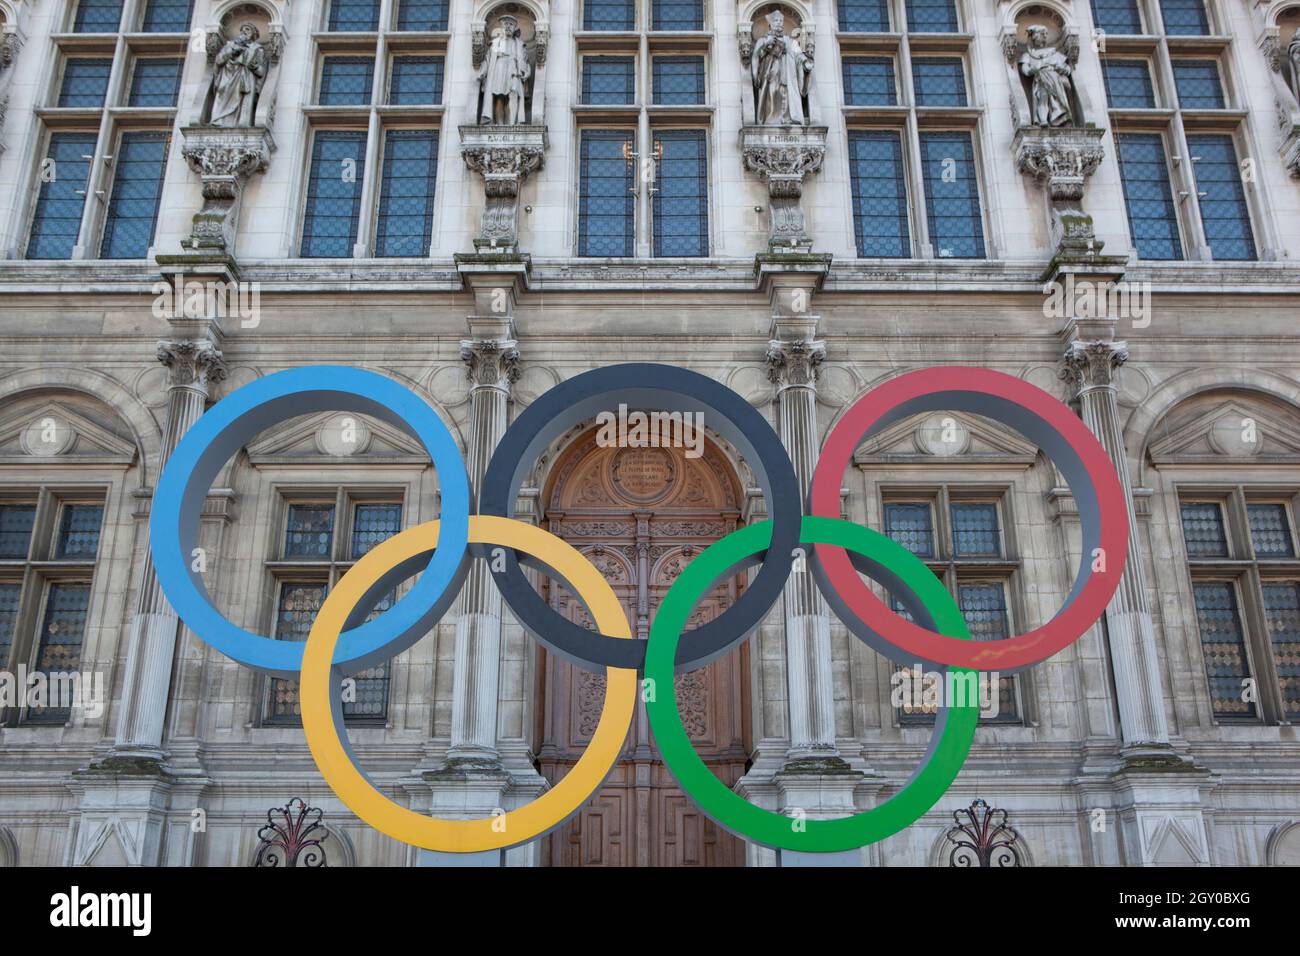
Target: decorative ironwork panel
[(605, 197), (608, 80), (416, 80), (85, 81), (1152, 218), (939, 81), (981, 837), (404, 224), (864, 16), (16, 530), (350, 16), (869, 81), (880, 222), (975, 531), (309, 531), (292, 836), (678, 80), (1117, 16), (1128, 83), (334, 194), (346, 80), (952, 198), (681, 202), (1270, 531), (1224, 214), (373, 523), (61, 199), (932, 16), (137, 192), (79, 531), (911, 525), (1223, 646), (156, 81)]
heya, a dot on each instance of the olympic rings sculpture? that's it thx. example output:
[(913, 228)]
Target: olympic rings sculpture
[(343, 642)]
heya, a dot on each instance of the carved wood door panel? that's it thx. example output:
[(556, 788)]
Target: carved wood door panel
[(640, 521)]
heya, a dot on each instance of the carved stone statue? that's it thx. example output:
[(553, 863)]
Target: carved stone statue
[(1293, 58), (781, 72), (1049, 72), (238, 72), (503, 75)]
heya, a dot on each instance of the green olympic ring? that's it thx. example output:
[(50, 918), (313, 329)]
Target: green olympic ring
[(954, 728)]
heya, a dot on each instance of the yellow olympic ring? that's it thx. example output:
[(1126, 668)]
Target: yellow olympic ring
[(322, 719)]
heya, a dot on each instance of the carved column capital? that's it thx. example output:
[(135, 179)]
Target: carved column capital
[(796, 363), (491, 363), (1092, 364), (193, 363)]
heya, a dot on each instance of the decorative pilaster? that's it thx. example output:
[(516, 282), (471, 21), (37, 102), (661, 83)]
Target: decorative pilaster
[(1089, 365), (782, 156), (224, 160), (492, 359), (194, 365), (504, 156)]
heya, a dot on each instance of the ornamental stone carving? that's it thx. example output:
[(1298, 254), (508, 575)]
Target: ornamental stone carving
[(1283, 58), (794, 363), (491, 363), (224, 159), (1092, 363), (238, 71), (1062, 159), (781, 70), (508, 55), (1050, 77), (192, 363), (11, 41), (782, 157), (504, 157)]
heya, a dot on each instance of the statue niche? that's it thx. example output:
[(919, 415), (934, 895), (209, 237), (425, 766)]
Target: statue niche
[(238, 73), (1045, 69), (505, 60), (781, 70)]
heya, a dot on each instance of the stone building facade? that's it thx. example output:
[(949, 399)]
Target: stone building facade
[(482, 198)]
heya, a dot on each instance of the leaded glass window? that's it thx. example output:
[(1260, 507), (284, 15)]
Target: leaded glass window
[(97, 16), (681, 202), (370, 686), (1282, 614), (10, 596), (62, 196), (416, 80), (975, 530), (609, 15), (334, 193), (373, 523), (1117, 16), (677, 14), (85, 81), (932, 16), (1203, 530), (605, 197), (912, 526), (63, 628), (346, 80), (156, 81), (1224, 215), (952, 201), (294, 615), (880, 222), (354, 16), (608, 80), (1128, 84), (16, 523), (869, 81), (1223, 646), (1184, 17), (984, 606), (167, 16), (1199, 85), (939, 81), (1270, 530), (864, 16), (678, 80), (79, 531), (404, 225), (137, 192), (422, 14), (1152, 217), (309, 531)]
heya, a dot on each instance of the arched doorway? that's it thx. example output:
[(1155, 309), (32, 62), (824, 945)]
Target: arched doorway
[(639, 514)]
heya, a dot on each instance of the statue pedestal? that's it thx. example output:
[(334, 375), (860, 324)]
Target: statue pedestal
[(224, 158), (504, 156), (1061, 158), (1290, 148), (783, 156)]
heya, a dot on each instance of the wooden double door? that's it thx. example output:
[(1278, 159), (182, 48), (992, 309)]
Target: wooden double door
[(640, 514)]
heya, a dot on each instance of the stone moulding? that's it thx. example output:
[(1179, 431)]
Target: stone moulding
[(782, 156), (504, 156), (223, 158)]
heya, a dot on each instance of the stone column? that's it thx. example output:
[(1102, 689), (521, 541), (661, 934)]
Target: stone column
[(194, 362), (492, 358), (1091, 359)]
